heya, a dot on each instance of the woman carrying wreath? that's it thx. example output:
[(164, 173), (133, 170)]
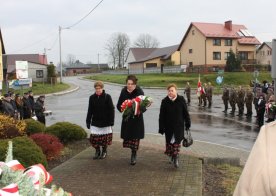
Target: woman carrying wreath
[(173, 117), (100, 119), (132, 129)]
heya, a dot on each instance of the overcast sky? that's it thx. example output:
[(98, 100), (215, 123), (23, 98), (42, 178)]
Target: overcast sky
[(30, 26)]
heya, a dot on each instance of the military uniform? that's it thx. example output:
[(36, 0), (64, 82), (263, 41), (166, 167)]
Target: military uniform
[(203, 96), (248, 102), (209, 94), (225, 98), (240, 101), (233, 100), (188, 92)]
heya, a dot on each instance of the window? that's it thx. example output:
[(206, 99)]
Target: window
[(216, 42), (268, 52), (193, 32), (228, 42), (39, 73), (191, 64), (216, 55), (190, 51), (243, 55), (226, 55)]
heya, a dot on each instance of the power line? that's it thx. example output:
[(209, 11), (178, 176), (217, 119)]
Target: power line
[(84, 16), (34, 43), (54, 43)]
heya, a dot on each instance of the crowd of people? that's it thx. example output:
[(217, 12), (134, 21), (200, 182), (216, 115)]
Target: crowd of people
[(261, 97), (23, 107), (173, 120)]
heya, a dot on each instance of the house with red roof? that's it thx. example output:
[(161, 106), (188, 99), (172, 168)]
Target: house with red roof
[(207, 45)]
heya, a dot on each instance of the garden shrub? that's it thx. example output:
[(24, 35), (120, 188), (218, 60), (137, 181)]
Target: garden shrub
[(25, 151), (49, 144), (66, 132), (34, 126), (10, 127)]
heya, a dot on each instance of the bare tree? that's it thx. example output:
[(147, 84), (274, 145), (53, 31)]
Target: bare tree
[(71, 59), (117, 47), (146, 41)]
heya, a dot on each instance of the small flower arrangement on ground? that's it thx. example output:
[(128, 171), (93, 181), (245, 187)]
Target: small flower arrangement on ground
[(15, 180), (136, 106)]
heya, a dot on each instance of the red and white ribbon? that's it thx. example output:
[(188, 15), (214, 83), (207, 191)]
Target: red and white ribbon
[(10, 190), (35, 171)]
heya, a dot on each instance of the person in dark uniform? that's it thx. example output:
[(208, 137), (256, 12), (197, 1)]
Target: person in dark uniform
[(188, 92), (27, 107), (233, 100), (31, 100), (39, 109), (7, 106), (132, 130), (100, 119), (240, 100), (209, 94), (225, 98), (173, 118), (261, 109), (248, 102)]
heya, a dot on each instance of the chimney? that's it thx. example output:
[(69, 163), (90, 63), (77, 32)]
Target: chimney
[(228, 25)]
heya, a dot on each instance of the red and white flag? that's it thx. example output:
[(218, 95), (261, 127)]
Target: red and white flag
[(199, 87)]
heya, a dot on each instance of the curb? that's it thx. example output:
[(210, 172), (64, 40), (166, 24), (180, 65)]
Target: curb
[(61, 92)]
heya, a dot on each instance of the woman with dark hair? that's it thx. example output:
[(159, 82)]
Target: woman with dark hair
[(173, 117), (132, 129), (100, 119)]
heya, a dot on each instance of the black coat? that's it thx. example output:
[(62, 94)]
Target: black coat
[(173, 115), (133, 128), (27, 108), (100, 110)]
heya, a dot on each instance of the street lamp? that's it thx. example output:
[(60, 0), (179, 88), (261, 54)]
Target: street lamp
[(60, 62)]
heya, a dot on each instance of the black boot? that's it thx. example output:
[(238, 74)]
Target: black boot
[(104, 152), (133, 157), (176, 161), (97, 153)]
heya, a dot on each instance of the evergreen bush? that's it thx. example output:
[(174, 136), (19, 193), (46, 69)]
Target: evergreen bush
[(25, 151), (66, 132), (49, 144), (34, 126)]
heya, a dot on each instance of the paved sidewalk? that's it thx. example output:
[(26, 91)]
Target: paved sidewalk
[(152, 175)]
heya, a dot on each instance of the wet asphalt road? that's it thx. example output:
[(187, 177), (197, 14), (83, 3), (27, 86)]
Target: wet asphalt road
[(210, 125)]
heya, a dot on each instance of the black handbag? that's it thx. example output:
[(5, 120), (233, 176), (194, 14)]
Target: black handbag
[(188, 140)]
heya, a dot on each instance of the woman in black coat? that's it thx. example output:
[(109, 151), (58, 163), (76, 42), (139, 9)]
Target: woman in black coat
[(173, 118), (100, 119), (132, 129)]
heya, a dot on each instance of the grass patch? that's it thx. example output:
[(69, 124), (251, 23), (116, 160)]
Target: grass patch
[(230, 178), (180, 79), (40, 88)]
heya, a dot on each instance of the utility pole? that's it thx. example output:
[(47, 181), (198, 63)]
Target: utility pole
[(60, 63)]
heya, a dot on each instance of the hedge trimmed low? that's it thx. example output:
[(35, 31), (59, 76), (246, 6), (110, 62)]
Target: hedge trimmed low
[(67, 132), (34, 126), (25, 151)]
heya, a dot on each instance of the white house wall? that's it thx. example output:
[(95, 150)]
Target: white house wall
[(32, 71)]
